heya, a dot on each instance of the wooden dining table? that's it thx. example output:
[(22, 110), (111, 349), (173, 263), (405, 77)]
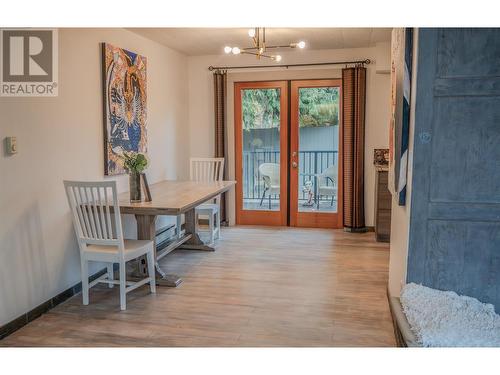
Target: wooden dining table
[(171, 198)]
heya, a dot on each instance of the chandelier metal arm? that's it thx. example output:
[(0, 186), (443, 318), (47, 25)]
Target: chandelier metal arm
[(267, 47), (256, 54), (259, 48)]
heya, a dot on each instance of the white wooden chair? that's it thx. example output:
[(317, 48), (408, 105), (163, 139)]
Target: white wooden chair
[(208, 169), (270, 173), (327, 183), (98, 227)]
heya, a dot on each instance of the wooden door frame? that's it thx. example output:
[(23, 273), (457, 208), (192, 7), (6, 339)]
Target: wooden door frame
[(313, 219), (264, 217)]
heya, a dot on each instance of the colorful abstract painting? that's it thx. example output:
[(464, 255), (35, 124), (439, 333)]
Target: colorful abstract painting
[(405, 123), (125, 105), (401, 69)]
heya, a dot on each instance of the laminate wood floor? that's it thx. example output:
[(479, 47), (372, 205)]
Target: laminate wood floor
[(262, 287)]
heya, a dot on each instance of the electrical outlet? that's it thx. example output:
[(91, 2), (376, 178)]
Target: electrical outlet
[(10, 145)]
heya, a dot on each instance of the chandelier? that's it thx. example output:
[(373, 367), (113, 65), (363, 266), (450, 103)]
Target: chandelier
[(260, 47)]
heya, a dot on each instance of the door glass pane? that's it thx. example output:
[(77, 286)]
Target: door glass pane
[(318, 149), (261, 149)]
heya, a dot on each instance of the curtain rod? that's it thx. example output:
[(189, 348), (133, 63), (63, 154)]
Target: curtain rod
[(366, 61)]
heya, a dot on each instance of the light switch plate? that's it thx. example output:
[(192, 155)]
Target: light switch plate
[(10, 145)]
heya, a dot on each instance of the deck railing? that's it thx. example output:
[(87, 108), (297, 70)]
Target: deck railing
[(310, 163)]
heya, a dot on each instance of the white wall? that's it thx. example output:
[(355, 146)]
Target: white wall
[(400, 215), (201, 119), (62, 138)]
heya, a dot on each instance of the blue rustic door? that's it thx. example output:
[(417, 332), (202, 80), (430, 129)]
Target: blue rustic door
[(455, 208)]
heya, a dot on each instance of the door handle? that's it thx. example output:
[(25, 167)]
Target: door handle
[(294, 154), (294, 164)]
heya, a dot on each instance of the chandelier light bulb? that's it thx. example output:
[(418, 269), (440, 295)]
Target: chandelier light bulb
[(236, 51), (277, 58), (251, 33), (227, 49), (301, 44)]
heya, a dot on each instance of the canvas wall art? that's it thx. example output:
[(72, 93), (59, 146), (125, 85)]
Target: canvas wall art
[(405, 121), (401, 70), (124, 76)]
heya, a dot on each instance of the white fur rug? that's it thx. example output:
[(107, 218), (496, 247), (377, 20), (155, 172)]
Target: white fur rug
[(440, 318)]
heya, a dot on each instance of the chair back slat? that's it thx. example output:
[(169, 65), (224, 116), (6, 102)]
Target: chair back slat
[(206, 169), (93, 215), (79, 217), (88, 229), (88, 209), (210, 170), (108, 218), (103, 224), (94, 210)]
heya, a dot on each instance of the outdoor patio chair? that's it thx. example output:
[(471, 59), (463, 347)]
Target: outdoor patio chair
[(327, 184), (270, 173)]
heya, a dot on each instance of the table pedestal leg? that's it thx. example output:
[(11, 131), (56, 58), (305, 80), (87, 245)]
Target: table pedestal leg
[(194, 243), (146, 230)]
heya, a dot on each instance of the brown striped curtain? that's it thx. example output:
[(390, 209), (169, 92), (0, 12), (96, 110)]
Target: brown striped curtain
[(353, 115), (220, 92)]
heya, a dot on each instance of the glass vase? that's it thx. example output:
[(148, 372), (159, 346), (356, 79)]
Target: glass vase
[(135, 187)]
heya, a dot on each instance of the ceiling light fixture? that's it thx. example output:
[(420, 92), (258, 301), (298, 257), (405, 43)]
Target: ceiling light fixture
[(259, 48)]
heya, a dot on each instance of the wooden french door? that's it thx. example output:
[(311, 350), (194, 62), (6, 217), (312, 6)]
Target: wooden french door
[(316, 154), (261, 152), (289, 172)]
